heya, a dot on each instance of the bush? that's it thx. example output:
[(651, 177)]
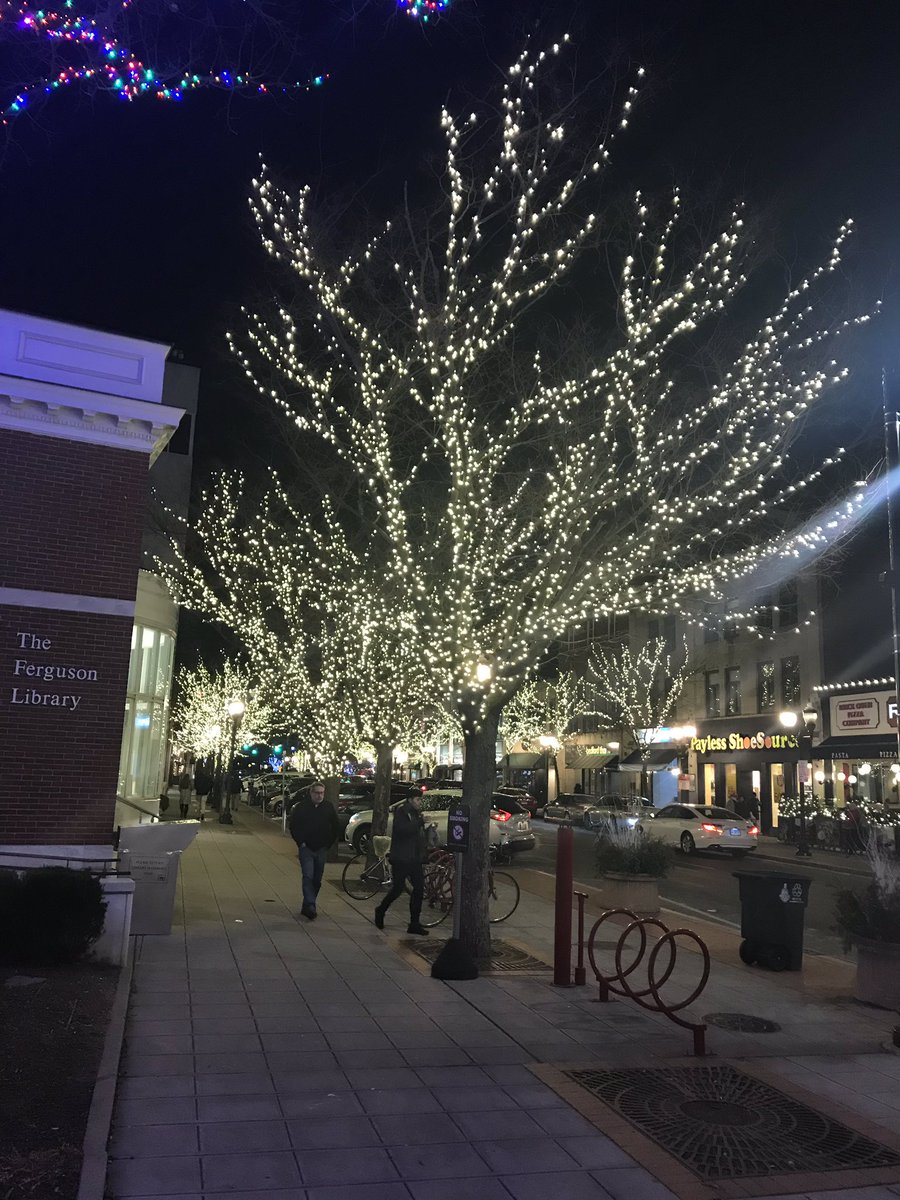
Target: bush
[(868, 915), (50, 915), (632, 853), (875, 913)]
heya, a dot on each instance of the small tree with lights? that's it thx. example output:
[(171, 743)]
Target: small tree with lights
[(336, 650), (515, 487), (543, 712), (638, 693), (200, 723)]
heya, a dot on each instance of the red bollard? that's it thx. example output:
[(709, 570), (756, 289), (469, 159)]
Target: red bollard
[(580, 972), (562, 937)]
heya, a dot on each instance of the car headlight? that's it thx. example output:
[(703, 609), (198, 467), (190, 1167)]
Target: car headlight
[(631, 821)]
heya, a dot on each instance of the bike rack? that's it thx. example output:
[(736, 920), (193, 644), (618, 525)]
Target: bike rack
[(619, 985)]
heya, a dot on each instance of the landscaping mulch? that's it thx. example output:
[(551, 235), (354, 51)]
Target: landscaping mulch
[(53, 1023)]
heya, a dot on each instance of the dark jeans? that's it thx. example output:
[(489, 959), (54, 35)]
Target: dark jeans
[(401, 871), (312, 866)]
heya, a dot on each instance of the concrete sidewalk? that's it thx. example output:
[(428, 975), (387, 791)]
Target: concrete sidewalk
[(270, 1058)]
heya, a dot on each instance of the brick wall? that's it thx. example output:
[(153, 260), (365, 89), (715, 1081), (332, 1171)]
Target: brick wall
[(72, 521)]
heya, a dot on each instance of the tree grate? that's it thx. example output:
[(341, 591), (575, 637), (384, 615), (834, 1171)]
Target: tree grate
[(742, 1023), (504, 956), (722, 1124)]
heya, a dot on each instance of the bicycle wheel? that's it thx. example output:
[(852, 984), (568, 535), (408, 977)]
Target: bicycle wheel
[(358, 881), (438, 900), (503, 896)]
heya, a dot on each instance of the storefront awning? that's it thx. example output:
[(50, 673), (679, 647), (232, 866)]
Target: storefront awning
[(873, 746), (656, 760), (589, 762), (524, 762)]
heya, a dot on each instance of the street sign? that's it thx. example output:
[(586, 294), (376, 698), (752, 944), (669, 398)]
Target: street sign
[(458, 828)]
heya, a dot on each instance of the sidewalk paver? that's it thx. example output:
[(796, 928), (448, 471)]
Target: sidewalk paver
[(269, 1059)]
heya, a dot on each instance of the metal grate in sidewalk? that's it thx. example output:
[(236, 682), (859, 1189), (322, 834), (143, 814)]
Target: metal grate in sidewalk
[(505, 957), (723, 1124)]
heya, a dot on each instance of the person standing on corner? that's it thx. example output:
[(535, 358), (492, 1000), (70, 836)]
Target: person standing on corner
[(406, 854), (314, 826)]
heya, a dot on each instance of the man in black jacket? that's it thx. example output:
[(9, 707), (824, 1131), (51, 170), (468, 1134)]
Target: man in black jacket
[(406, 855), (314, 827)]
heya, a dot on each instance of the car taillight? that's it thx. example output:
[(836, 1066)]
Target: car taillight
[(711, 828), (498, 815), (753, 831)]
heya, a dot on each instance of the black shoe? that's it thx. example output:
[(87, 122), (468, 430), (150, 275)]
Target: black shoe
[(313, 913), (416, 929), (306, 912), (379, 919)]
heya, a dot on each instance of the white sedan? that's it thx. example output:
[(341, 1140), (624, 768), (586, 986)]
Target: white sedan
[(508, 832), (701, 827)]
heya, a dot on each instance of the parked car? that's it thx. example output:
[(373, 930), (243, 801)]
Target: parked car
[(428, 782), (510, 831), (524, 797), (593, 812), (701, 827), (357, 795)]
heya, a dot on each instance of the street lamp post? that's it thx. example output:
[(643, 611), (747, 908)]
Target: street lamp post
[(789, 720), (235, 709), (551, 747)]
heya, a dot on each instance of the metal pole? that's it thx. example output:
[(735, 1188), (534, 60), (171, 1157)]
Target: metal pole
[(803, 850), (891, 396), (226, 818), (580, 972), (457, 895), (562, 937)]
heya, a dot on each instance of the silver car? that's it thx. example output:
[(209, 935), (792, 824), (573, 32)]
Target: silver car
[(509, 833)]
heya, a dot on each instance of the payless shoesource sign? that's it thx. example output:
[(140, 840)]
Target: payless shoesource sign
[(864, 713), (735, 741)]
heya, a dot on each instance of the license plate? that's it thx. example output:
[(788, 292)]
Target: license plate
[(523, 826), (735, 832)]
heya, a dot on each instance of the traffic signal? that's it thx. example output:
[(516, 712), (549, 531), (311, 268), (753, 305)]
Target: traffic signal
[(278, 749), (255, 752)]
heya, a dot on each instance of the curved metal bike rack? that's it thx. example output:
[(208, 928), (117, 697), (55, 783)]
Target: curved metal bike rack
[(619, 983)]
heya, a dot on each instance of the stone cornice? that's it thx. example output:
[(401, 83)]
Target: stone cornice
[(78, 415)]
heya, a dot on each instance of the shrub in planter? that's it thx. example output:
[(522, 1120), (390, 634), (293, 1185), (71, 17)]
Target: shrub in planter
[(869, 915), (61, 914), (632, 854), (870, 921)]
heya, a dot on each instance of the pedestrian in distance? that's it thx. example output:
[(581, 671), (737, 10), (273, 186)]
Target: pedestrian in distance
[(314, 826), (202, 785), (185, 788), (408, 846)]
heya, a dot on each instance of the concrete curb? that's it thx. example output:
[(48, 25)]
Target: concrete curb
[(833, 862), (94, 1160)]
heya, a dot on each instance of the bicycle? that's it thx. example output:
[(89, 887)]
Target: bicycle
[(503, 891)]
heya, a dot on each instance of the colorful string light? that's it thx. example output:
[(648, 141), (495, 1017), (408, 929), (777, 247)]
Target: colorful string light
[(423, 9), (117, 68)]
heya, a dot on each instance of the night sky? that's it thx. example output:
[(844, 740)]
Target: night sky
[(133, 217)]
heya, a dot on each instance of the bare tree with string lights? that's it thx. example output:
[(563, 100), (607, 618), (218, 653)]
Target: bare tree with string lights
[(637, 693), (517, 488), (199, 721), (339, 658)]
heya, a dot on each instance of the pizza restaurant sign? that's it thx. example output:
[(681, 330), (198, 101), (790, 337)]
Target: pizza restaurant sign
[(718, 744), (869, 712)]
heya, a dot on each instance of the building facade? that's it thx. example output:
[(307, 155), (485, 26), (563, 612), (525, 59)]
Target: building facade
[(81, 420)]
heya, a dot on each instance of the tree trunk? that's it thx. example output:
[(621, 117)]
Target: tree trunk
[(479, 774), (384, 761)]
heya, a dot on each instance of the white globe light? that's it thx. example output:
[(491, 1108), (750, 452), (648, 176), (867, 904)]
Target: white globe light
[(851, 779), (865, 768), (895, 768), (820, 776), (842, 777), (788, 719)]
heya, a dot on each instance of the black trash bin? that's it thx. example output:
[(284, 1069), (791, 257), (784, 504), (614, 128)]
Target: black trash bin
[(772, 913)]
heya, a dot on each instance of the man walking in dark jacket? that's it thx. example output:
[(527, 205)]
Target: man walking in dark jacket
[(406, 854), (314, 827)]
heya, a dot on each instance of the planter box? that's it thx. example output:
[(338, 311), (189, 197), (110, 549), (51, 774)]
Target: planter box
[(640, 893), (878, 973)]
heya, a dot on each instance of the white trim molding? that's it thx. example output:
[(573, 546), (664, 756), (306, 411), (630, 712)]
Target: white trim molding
[(66, 602)]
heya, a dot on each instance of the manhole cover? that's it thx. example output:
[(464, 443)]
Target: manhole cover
[(742, 1023), (504, 956), (726, 1125)]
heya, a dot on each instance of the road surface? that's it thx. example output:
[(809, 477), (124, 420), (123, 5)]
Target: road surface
[(703, 884)]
